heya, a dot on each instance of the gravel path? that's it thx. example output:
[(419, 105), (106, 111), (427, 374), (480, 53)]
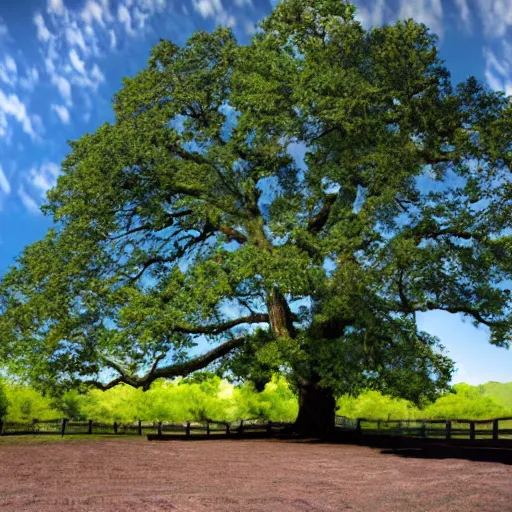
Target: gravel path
[(110, 475)]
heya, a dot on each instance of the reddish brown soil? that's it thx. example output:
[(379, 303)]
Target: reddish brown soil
[(110, 475)]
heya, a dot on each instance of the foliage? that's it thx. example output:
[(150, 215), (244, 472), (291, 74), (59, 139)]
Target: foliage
[(500, 391), (4, 403), (188, 219), (471, 402), (26, 404)]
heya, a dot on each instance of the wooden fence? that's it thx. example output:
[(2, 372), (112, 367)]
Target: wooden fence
[(68, 427), (495, 428)]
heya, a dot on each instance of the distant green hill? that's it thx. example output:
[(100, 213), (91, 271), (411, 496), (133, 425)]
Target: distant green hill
[(500, 391)]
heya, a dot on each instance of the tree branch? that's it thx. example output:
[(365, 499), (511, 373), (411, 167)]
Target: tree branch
[(317, 223), (167, 372), (223, 327)]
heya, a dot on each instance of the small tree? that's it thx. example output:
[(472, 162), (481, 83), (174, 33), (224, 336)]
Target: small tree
[(193, 214)]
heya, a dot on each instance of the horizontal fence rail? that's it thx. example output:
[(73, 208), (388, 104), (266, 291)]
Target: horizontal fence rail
[(494, 429), (66, 426)]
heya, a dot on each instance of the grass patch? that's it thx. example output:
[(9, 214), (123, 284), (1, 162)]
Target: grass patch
[(53, 439)]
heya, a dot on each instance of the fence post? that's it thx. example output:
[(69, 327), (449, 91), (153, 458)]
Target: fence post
[(89, 430), (269, 427), (472, 430), (63, 427), (34, 425), (423, 429), (378, 426), (448, 429), (400, 428), (228, 429), (208, 428), (139, 428), (159, 428), (495, 433), (187, 429), (241, 427), (115, 427), (358, 427)]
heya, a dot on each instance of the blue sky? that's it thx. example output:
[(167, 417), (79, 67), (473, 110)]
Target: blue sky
[(62, 60)]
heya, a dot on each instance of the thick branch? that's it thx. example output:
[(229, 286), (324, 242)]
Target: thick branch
[(167, 372), (317, 223), (223, 327)]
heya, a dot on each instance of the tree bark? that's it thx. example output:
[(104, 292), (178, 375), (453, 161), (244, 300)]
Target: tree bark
[(316, 412), (280, 316), (316, 404)]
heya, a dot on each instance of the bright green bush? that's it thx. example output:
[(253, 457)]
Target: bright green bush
[(26, 403), (4, 403), (209, 396)]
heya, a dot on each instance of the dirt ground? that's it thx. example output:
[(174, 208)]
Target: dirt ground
[(133, 474)]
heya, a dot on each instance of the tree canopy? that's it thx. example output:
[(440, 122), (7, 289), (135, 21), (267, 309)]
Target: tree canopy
[(297, 201)]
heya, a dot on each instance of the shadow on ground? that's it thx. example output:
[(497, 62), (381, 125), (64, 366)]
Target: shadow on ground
[(480, 451)]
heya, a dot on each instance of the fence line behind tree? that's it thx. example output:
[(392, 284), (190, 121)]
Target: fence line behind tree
[(495, 428)]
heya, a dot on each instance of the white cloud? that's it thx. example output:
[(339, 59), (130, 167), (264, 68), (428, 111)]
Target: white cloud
[(498, 72), (5, 186), (464, 12), (496, 16), (75, 37), (10, 64), (8, 71), (29, 81), (124, 17), (372, 16), (214, 9), (63, 86), (92, 80), (4, 32), (429, 12), (43, 34), (62, 112), (56, 7), (45, 177), (76, 62), (12, 106), (28, 202), (113, 40), (93, 12)]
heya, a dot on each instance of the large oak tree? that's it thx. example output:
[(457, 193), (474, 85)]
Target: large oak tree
[(193, 216)]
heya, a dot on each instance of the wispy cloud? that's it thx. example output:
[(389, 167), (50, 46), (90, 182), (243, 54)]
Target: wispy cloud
[(31, 78), (12, 106), (464, 12), (429, 12), (56, 7), (43, 34), (63, 86), (5, 186), (8, 71), (496, 16), (62, 112), (30, 204), (4, 31), (214, 9), (44, 177), (498, 70)]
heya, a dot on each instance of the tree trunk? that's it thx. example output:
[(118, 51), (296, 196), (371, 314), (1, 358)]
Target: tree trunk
[(316, 412), (280, 316), (316, 404)]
